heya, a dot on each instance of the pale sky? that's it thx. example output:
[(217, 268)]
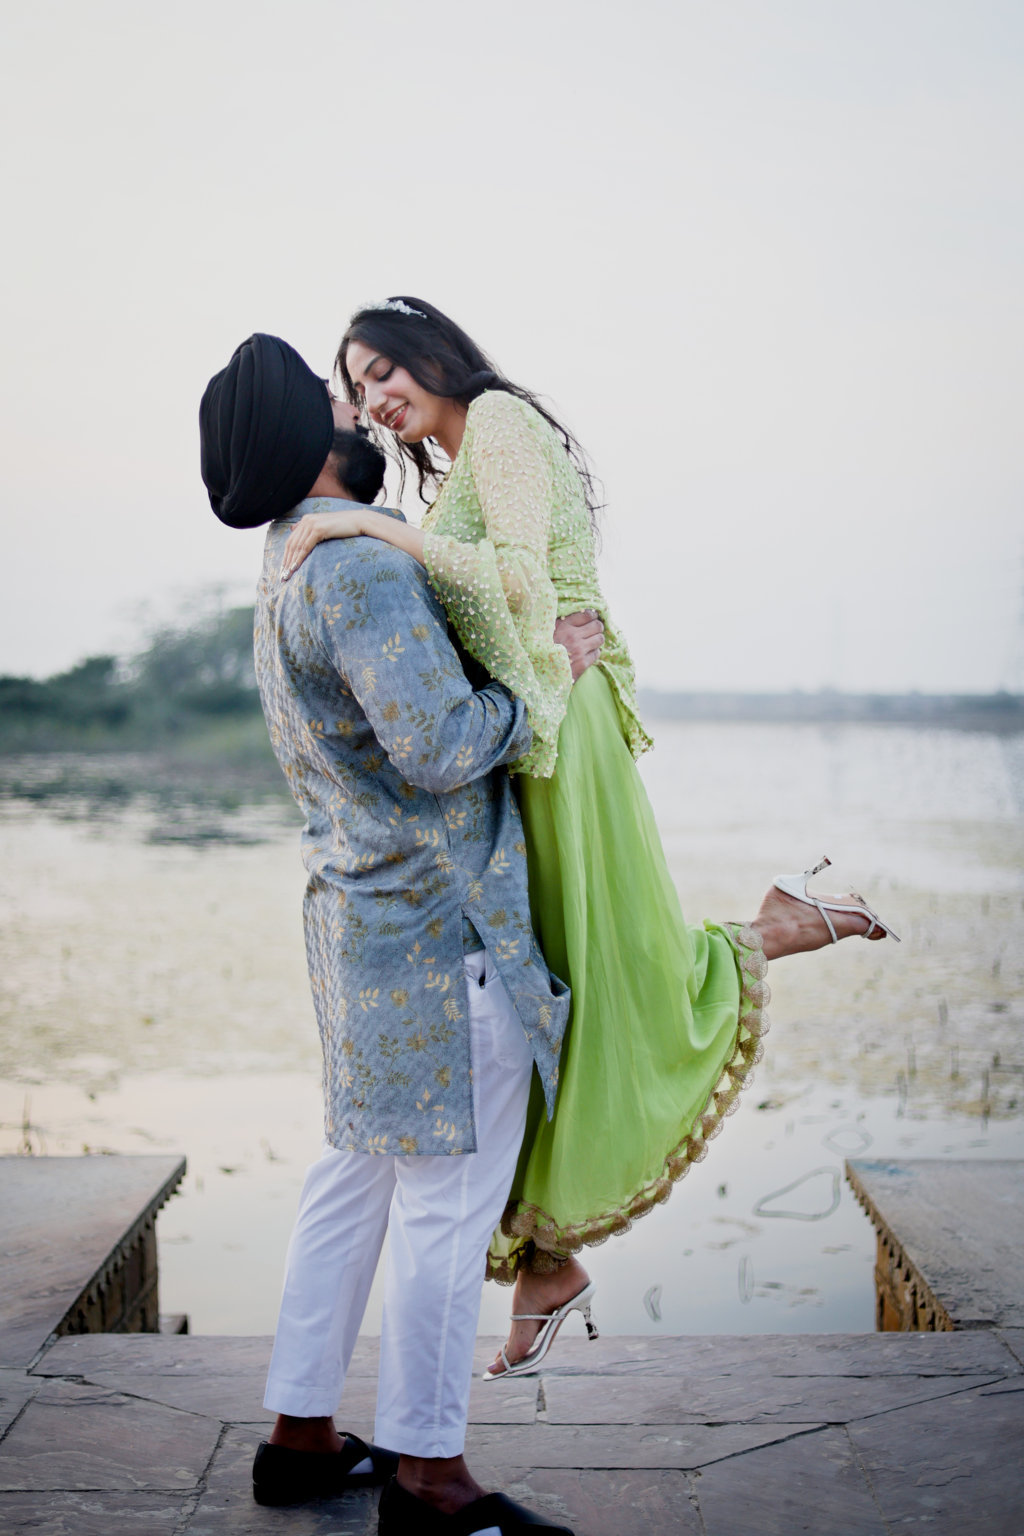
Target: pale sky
[(764, 256)]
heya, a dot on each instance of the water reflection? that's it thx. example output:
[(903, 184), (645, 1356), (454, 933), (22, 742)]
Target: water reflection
[(189, 803), (153, 997)]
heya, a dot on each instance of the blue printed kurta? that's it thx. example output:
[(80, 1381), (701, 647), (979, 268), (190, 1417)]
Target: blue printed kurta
[(392, 756)]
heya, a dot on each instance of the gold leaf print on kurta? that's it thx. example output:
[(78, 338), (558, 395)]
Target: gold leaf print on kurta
[(357, 678)]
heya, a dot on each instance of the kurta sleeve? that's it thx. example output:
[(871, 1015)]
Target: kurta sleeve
[(398, 662), (497, 590)]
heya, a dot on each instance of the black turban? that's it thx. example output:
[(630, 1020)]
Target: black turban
[(266, 428)]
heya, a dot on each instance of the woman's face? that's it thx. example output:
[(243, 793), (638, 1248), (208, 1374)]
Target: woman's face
[(394, 400)]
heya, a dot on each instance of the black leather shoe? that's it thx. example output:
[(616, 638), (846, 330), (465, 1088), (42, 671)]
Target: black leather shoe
[(282, 1476), (402, 1514)]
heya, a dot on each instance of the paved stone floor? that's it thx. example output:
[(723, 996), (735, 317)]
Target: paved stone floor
[(149, 1435)]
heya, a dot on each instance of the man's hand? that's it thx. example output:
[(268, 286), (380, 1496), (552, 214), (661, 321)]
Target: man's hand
[(582, 635)]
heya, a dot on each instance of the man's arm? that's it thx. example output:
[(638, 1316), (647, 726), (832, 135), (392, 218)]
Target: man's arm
[(384, 630), (582, 635)]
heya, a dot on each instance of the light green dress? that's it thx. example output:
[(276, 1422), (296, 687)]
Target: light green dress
[(666, 1018)]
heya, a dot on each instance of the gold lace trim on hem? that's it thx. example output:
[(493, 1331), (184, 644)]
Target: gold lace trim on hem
[(545, 1245)]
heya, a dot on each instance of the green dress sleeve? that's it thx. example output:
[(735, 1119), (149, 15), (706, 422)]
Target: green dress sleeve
[(492, 572)]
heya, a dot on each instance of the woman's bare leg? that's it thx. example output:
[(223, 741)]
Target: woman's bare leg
[(791, 927), (540, 1293), (787, 927)]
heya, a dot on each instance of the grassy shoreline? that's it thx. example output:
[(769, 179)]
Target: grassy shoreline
[(190, 700)]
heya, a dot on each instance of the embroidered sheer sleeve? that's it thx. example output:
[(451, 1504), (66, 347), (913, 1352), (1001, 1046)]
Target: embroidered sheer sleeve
[(490, 564)]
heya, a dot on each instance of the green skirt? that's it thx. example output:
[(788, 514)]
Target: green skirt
[(666, 1018)]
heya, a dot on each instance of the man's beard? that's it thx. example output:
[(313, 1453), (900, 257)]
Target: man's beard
[(360, 463)]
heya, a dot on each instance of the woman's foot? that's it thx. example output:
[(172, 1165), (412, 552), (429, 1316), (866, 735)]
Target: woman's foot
[(789, 926), (538, 1293)]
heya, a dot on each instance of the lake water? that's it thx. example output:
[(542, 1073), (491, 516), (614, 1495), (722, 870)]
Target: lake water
[(153, 997)]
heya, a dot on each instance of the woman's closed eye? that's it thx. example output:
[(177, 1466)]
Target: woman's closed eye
[(375, 378)]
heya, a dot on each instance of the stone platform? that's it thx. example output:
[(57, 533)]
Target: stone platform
[(78, 1247), (950, 1241), (862, 1435), (143, 1434)]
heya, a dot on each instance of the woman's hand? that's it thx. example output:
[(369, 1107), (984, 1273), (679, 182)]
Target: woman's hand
[(310, 530), (582, 635)]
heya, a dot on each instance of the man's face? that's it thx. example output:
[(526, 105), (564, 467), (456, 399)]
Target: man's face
[(346, 417), (357, 462)]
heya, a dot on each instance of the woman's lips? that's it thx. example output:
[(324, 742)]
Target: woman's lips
[(393, 419)]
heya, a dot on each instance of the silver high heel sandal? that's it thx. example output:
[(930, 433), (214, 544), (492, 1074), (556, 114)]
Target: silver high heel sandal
[(796, 886), (552, 1322)]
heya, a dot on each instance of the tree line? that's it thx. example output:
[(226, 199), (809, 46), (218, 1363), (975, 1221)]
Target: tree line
[(186, 680)]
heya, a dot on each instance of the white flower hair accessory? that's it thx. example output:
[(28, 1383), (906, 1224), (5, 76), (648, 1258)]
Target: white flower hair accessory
[(398, 306)]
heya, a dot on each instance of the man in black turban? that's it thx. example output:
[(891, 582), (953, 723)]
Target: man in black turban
[(267, 427), (414, 850)]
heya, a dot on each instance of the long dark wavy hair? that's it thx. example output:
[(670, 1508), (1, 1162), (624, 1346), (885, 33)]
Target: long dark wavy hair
[(447, 362)]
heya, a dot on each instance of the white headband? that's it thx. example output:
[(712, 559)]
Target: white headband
[(398, 306)]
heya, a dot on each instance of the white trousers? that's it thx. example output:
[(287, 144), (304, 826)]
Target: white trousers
[(438, 1213)]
